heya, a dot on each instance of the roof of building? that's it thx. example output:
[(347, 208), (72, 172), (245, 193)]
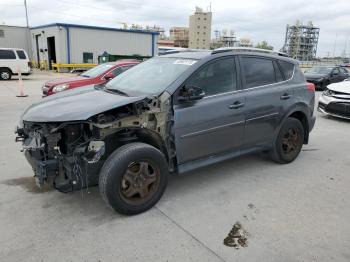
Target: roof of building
[(96, 28)]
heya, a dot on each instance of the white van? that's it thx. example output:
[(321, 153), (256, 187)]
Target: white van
[(12, 60)]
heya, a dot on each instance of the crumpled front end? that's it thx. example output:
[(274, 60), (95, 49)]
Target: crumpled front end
[(64, 156)]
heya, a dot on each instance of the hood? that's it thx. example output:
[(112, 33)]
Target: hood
[(342, 87), (64, 80), (75, 105), (314, 76)]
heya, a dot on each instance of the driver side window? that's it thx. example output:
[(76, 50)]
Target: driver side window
[(216, 77)]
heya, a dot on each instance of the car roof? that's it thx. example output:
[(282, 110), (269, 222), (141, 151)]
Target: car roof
[(10, 48), (198, 55), (189, 54)]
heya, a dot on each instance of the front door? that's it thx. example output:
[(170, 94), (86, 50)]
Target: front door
[(214, 124)]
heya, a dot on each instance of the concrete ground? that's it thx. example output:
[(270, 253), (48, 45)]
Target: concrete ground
[(295, 212)]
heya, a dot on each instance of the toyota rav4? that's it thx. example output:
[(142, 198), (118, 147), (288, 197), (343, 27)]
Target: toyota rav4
[(170, 114)]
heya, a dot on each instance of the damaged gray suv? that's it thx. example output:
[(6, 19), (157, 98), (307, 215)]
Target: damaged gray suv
[(170, 114)]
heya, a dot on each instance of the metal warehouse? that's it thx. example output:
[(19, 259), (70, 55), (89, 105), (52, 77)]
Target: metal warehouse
[(15, 37), (70, 43)]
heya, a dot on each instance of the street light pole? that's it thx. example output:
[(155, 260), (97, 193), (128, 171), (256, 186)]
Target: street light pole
[(25, 7)]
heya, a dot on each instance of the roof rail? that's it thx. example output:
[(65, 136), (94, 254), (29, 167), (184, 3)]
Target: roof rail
[(248, 49), (181, 51)]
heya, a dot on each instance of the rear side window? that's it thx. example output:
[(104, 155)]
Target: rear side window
[(216, 77), (258, 71), (21, 54), (287, 69), (343, 70), (7, 54)]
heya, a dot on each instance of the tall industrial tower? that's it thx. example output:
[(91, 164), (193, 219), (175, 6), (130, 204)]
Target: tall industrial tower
[(301, 41)]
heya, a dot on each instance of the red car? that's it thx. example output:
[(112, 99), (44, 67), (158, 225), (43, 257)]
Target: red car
[(97, 75)]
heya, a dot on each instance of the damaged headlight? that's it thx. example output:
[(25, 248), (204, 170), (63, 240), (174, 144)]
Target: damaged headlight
[(60, 88), (328, 92)]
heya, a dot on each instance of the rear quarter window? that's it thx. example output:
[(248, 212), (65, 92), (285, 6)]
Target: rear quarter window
[(21, 54), (258, 71), (287, 69), (7, 54)]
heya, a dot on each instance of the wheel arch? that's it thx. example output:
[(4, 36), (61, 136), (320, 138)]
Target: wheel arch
[(4, 67), (300, 112)]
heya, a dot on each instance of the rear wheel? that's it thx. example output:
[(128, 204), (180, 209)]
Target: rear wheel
[(289, 141), (133, 178), (5, 74)]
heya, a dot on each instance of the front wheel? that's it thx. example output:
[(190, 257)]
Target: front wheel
[(133, 178), (289, 141)]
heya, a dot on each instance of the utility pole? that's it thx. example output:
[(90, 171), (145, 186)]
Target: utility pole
[(25, 7), (335, 44), (28, 41)]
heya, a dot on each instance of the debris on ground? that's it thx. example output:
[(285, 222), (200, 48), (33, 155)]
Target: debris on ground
[(238, 237)]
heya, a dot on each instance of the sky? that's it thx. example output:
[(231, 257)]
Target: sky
[(257, 20)]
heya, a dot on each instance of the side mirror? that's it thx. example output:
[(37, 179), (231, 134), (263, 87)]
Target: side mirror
[(108, 76), (191, 93), (335, 74)]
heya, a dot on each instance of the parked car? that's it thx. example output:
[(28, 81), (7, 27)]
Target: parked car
[(95, 76), (172, 113), (78, 70), (335, 101), (12, 60), (322, 76)]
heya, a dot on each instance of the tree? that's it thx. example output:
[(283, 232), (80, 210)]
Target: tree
[(264, 45)]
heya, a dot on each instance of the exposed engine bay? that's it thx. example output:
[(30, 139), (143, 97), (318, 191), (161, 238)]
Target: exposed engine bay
[(69, 155)]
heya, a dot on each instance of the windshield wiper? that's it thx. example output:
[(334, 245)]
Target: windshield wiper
[(85, 76), (116, 91)]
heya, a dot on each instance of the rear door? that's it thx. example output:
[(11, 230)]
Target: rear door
[(266, 95), (214, 124), (23, 61), (336, 76)]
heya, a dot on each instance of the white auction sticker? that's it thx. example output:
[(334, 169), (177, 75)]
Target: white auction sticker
[(185, 62)]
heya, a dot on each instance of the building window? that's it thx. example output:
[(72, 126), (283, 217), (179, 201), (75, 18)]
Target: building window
[(199, 18), (88, 57), (198, 27), (205, 18), (2, 33), (203, 33)]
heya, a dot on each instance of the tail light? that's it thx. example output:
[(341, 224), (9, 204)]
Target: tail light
[(310, 87), (30, 64)]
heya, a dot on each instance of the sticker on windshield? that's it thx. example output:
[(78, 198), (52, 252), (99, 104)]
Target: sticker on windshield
[(185, 62)]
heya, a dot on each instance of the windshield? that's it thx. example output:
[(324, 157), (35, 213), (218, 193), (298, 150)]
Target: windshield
[(319, 70), (150, 77), (97, 70)]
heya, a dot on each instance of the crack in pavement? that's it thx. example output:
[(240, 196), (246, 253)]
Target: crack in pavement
[(192, 236)]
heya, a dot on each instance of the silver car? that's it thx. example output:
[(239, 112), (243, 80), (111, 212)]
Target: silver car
[(335, 101)]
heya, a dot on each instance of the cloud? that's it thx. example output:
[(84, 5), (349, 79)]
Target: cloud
[(257, 20)]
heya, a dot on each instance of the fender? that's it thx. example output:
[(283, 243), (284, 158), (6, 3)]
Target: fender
[(305, 110)]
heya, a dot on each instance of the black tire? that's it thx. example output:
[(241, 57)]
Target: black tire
[(116, 168), (289, 141), (5, 74)]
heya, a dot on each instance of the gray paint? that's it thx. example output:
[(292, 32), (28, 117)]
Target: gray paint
[(75, 105)]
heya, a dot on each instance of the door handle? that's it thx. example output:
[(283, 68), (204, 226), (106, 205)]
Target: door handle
[(285, 96), (236, 105)]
